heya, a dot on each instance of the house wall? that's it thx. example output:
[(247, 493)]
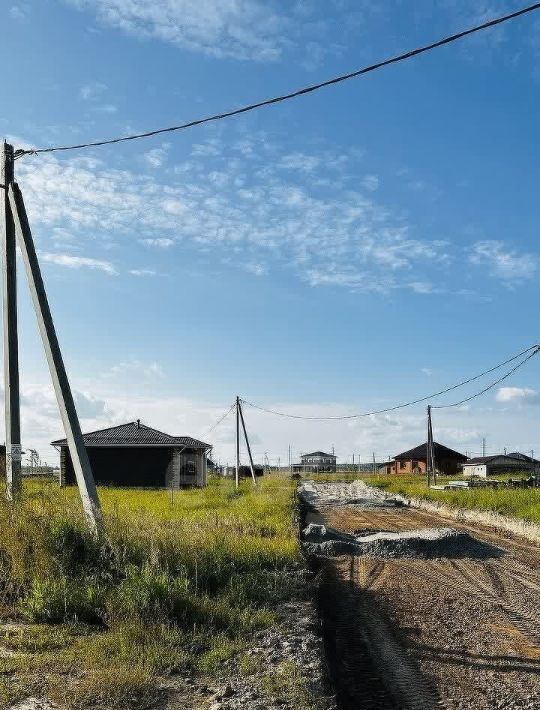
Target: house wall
[(475, 470), (447, 467), (119, 466), (406, 467)]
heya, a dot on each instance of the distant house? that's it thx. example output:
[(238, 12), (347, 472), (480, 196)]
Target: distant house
[(484, 466), (316, 462), (243, 471), (447, 461), (136, 455)]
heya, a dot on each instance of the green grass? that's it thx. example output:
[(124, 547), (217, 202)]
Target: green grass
[(174, 584), (523, 503)]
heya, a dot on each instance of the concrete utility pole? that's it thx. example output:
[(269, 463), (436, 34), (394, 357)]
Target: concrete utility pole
[(11, 345), (484, 446), (237, 472), (64, 397)]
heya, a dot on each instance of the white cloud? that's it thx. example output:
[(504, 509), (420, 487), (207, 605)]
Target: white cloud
[(92, 91), (370, 182), (427, 372), (520, 395), (160, 242), (78, 262), (243, 29), (142, 272), (327, 235), (134, 366), (106, 108), (155, 157), (19, 12), (300, 161), (256, 269), (502, 263)]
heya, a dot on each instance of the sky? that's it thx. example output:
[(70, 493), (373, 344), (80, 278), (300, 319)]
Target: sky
[(365, 245)]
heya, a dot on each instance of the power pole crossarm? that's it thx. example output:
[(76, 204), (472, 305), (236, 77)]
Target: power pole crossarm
[(77, 449)]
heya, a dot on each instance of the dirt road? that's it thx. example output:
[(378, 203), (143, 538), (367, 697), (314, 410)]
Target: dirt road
[(410, 632)]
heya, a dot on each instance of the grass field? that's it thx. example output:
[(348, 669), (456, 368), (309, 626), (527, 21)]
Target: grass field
[(174, 585), (523, 503)]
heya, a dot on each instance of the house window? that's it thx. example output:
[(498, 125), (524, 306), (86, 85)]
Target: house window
[(414, 465), (402, 464)]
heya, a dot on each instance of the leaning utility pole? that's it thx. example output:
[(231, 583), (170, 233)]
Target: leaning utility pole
[(11, 348), (430, 457), (64, 397), (247, 443)]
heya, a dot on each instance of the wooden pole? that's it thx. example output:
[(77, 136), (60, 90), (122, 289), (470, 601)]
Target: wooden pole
[(64, 397), (11, 347), (237, 472), (247, 444)]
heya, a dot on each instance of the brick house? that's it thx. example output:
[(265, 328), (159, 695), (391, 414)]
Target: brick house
[(447, 461)]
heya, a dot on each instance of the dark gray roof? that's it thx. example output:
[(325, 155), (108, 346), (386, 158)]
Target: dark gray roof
[(135, 434), (319, 453), (441, 452), (514, 459)]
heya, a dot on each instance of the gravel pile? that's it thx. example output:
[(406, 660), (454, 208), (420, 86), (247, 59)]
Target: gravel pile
[(317, 495), (426, 543), (292, 649)]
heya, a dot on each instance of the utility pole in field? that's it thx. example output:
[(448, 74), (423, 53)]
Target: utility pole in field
[(16, 227), (484, 446), (237, 470), (251, 466), (62, 389), (430, 459), (11, 346)]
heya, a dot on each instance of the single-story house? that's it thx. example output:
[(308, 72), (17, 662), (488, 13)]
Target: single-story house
[(497, 464), (447, 461), (316, 462), (134, 454)]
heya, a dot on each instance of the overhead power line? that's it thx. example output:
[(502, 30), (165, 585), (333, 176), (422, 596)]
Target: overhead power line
[(224, 416), (294, 94), (529, 352), (492, 385)]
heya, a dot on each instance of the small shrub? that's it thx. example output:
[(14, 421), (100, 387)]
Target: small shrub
[(35, 639), (63, 600)]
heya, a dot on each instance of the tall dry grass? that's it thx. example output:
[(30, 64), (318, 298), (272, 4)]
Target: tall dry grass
[(174, 584)]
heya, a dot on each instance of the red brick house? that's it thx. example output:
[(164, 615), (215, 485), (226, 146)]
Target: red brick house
[(447, 461)]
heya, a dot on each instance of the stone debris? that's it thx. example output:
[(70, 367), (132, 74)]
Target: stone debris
[(295, 643), (426, 543), (33, 704), (317, 495)]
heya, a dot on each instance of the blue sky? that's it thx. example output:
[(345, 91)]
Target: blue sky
[(363, 245)]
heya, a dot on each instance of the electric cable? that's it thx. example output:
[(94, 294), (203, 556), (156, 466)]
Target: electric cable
[(530, 351), (293, 94)]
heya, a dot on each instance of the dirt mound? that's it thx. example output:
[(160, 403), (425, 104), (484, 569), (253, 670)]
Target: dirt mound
[(427, 543)]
